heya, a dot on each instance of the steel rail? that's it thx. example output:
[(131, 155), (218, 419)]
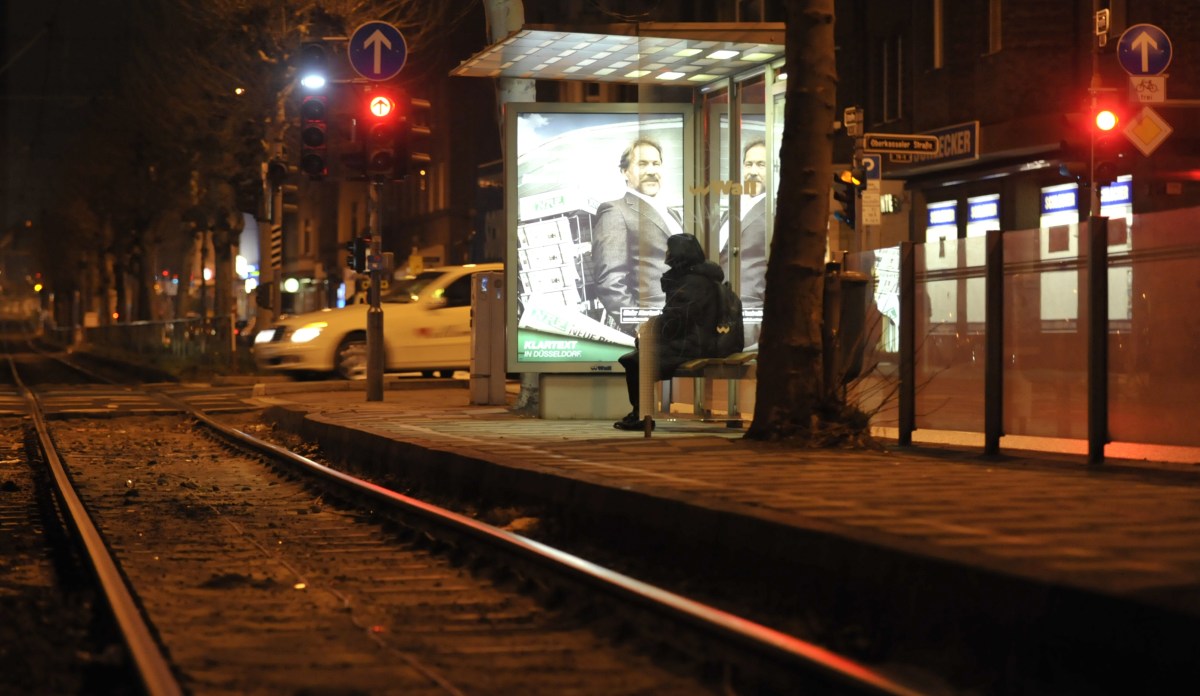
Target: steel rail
[(148, 659), (789, 652)]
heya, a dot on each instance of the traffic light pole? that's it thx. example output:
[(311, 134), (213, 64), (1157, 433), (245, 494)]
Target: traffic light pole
[(860, 227), (1093, 190), (374, 309), (1093, 91)]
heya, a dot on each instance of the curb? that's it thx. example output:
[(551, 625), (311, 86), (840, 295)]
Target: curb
[(856, 593)]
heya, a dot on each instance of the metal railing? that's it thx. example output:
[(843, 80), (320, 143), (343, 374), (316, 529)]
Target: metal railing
[(173, 345), (1080, 333)]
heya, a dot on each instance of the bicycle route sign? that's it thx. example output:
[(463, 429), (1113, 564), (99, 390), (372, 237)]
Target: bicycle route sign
[(1148, 89)]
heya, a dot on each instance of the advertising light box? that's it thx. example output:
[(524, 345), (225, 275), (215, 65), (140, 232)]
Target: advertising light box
[(592, 193)]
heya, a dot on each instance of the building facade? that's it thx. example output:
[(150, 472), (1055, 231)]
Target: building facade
[(1006, 84)]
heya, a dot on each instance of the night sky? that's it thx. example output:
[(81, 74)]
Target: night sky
[(58, 58)]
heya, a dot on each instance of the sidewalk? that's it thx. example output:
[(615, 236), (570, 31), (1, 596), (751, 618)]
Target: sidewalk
[(941, 545)]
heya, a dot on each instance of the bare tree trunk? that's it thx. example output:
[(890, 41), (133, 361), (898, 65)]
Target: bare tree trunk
[(790, 403), (121, 286), (140, 267), (225, 240), (184, 306), (205, 237)]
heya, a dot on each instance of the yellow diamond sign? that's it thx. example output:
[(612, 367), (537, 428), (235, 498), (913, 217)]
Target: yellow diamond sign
[(1147, 131)]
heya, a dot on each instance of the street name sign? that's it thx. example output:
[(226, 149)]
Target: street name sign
[(895, 143), (1144, 49), (957, 143), (377, 50)]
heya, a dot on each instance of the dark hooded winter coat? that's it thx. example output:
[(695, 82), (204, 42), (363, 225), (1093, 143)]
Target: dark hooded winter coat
[(687, 328)]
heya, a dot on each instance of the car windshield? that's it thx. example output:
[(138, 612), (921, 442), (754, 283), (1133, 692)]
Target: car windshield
[(410, 289)]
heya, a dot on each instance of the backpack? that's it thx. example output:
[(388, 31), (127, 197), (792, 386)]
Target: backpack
[(731, 337)]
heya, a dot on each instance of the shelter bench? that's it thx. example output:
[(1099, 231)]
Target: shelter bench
[(703, 372)]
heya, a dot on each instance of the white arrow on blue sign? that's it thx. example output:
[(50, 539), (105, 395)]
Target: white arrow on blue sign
[(1144, 49), (377, 50)]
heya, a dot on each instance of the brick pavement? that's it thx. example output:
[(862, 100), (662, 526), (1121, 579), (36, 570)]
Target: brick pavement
[(1125, 536)]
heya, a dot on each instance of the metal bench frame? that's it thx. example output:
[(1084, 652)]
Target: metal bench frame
[(703, 372)]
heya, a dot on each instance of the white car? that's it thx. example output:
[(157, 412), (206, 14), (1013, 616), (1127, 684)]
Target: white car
[(426, 328)]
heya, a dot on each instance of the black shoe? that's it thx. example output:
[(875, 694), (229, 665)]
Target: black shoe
[(631, 422)]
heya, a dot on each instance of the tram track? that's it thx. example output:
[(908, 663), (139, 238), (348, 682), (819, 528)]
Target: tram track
[(295, 576)]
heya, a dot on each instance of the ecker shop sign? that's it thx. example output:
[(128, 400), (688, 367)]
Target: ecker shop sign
[(958, 143)]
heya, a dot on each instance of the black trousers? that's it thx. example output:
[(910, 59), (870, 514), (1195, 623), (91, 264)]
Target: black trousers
[(630, 361)]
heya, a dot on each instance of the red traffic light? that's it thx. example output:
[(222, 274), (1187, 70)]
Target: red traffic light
[(381, 106), (384, 121), (1106, 120), (1109, 146)]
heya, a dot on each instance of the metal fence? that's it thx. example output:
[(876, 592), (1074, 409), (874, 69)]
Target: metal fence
[(1079, 332), (172, 345)]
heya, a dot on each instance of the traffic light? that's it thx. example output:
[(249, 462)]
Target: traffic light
[(262, 295), (313, 136), (352, 254), (1074, 154), (276, 172), (383, 115), (313, 68), (402, 142), (358, 249), (1110, 151), (846, 185), (412, 143), (314, 106)]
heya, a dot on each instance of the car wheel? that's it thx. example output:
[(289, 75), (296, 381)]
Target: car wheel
[(351, 359)]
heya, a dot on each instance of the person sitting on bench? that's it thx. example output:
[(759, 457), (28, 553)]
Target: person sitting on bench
[(687, 328)]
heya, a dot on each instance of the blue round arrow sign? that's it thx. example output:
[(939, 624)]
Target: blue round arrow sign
[(377, 50), (1144, 49)]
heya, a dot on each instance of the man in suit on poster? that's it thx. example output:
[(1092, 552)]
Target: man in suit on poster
[(629, 241), (753, 257)]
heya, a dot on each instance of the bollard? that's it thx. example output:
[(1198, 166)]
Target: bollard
[(647, 369)]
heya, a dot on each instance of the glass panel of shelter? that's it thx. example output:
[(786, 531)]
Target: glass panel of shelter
[(737, 182)]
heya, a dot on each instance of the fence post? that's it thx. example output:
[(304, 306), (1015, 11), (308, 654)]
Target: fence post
[(993, 382), (1097, 338), (647, 371), (908, 330), (831, 329)]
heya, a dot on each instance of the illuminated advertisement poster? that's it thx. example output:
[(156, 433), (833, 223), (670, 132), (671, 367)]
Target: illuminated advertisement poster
[(595, 191)]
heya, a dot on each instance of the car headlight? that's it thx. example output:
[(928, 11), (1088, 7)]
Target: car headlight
[(264, 336), (308, 332)]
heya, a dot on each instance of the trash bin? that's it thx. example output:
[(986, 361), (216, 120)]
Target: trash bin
[(845, 315), (487, 338), (852, 335)]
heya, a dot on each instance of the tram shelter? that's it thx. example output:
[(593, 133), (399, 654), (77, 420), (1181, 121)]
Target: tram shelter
[(710, 97)]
